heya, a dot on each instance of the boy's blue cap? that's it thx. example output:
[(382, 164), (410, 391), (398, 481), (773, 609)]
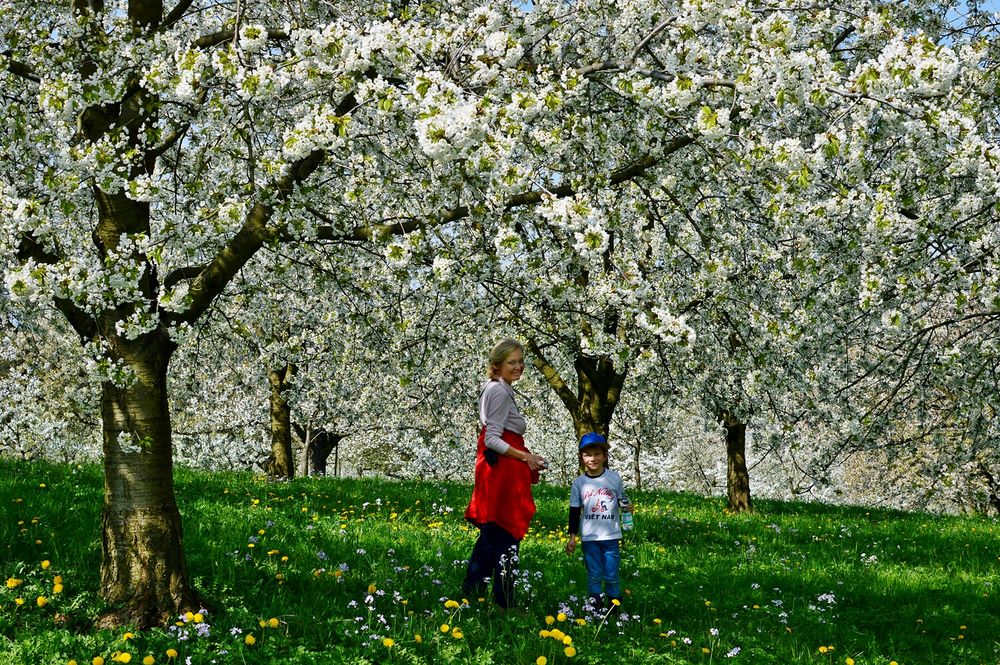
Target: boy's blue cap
[(593, 439)]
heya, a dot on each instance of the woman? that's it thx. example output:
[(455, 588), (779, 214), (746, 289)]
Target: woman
[(501, 504)]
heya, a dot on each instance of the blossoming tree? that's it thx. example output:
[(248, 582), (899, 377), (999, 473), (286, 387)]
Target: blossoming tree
[(153, 151)]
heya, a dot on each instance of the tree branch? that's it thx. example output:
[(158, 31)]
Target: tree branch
[(533, 197), (223, 36), (176, 14), (552, 377), (20, 69), (84, 325), (211, 281)]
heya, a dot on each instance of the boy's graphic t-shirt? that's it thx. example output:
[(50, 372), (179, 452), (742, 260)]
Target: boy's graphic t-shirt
[(598, 500)]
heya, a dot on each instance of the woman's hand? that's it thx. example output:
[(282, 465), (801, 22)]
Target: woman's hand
[(536, 462), (571, 544)]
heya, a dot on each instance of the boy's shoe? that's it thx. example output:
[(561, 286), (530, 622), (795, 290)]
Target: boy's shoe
[(597, 602)]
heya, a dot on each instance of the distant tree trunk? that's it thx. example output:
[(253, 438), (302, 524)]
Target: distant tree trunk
[(993, 487), (599, 388), (143, 570), (635, 461), (322, 444), (280, 464), (318, 444), (737, 475)]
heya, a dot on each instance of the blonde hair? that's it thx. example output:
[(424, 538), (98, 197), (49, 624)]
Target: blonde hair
[(499, 353)]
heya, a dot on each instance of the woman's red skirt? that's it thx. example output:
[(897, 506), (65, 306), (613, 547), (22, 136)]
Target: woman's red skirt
[(502, 491)]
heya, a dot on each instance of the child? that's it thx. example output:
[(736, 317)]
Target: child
[(596, 495)]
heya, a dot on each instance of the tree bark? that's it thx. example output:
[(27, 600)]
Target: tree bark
[(280, 464), (317, 446), (320, 446), (993, 487), (737, 475), (599, 388), (143, 570)]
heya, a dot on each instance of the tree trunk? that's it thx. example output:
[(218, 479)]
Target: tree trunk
[(321, 445), (280, 464), (638, 468), (993, 487), (143, 569), (599, 388), (737, 475), (598, 391)]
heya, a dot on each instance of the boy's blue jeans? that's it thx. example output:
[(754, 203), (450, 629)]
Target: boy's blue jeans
[(602, 559)]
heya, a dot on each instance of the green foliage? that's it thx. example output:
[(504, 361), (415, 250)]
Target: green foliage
[(323, 570)]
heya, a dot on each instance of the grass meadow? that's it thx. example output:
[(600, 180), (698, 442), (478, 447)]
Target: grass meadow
[(325, 570)]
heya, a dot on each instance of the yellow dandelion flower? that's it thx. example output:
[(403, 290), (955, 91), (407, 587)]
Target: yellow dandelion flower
[(706, 650), (171, 653), (567, 640), (273, 623), (372, 588), (849, 661), (13, 582), (445, 628), (189, 616), (42, 601), (557, 634), (892, 662), (57, 579), (569, 651), (616, 602), (250, 639), (388, 642), (19, 601), (97, 661), (46, 564), (284, 559), (122, 657), (57, 588), (657, 622), (549, 620), (543, 633), (581, 622), (457, 633), (541, 660), (560, 617), (71, 662), (418, 639), (451, 604), (823, 649), (148, 660)]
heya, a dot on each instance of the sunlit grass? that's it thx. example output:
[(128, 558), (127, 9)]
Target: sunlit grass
[(334, 570)]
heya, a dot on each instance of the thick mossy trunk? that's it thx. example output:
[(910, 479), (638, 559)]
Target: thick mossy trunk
[(280, 464), (737, 475), (143, 571), (599, 389)]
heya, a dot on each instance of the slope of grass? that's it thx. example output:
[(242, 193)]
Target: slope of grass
[(323, 570)]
